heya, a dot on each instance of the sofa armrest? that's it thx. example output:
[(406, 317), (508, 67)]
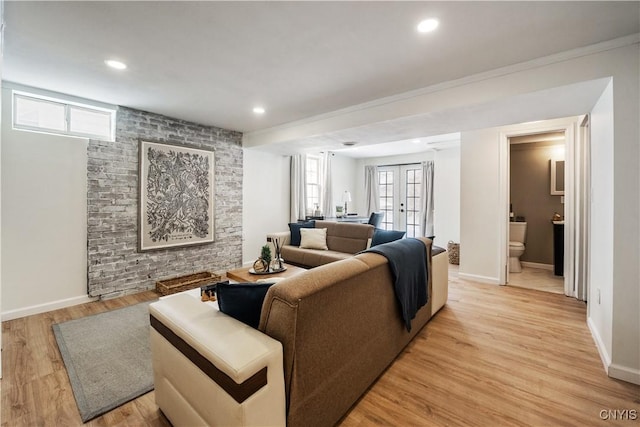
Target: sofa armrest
[(439, 281), (212, 369)]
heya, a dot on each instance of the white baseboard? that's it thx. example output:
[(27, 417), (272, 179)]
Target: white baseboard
[(602, 350), (478, 278), (624, 373), (537, 265), (43, 308)]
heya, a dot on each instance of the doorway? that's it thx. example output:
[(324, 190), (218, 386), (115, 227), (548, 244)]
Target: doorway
[(574, 167), (536, 227), (400, 198)]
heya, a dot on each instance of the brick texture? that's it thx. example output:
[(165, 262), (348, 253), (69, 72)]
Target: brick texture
[(115, 267)]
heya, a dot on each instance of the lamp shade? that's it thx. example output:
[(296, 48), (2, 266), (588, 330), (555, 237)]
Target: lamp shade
[(346, 197)]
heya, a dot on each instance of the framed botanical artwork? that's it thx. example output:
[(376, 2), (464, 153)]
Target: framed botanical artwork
[(176, 196)]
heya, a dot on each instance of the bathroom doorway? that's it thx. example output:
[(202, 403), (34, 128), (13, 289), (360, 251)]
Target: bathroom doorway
[(536, 217)]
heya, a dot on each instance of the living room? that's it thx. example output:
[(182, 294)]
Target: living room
[(56, 198)]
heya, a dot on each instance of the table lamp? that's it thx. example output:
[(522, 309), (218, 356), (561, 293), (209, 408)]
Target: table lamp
[(346, 198)]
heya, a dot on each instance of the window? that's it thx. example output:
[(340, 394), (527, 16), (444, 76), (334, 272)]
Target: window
[(314, 182), (41, 114)]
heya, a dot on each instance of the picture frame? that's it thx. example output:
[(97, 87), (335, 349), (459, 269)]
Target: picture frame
[(175, 196)]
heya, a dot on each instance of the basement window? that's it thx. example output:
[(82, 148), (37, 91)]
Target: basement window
[(43, 114)]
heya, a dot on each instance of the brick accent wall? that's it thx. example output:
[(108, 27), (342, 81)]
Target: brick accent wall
[(115, 267)]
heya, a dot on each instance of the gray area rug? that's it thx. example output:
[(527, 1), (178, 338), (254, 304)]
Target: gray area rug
[(107, 357)]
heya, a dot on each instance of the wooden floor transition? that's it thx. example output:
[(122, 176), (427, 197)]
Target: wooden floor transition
[(537, 278), (493, 356)]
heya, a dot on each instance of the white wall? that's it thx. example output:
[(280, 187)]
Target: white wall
[(600, 306), (265, 199), (447, 196), (480, 210), (44, 219), (625, 354)]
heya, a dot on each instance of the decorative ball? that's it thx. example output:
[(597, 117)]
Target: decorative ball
[(260, 266)]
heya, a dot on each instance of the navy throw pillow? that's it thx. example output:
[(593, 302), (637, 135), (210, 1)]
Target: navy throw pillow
[(385, 236), (295, 227), (242, 301)]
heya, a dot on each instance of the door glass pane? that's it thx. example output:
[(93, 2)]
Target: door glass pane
[(386, 188), (413, 178)]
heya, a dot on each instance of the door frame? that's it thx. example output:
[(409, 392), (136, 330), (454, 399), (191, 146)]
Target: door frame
[(569, 127)]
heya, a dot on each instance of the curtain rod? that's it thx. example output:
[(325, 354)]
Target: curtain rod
[(398, 164)]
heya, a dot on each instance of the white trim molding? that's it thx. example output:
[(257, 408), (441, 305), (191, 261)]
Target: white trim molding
[(43, 308), (481, 279), (602, 350), (624, 373), (613, 370)]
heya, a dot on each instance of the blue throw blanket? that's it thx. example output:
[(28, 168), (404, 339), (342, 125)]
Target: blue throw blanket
[(408, 263)]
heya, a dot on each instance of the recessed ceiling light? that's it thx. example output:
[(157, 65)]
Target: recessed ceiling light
[(258, 110), (115, 64), (428, 25), (349, 143), (416, 141)]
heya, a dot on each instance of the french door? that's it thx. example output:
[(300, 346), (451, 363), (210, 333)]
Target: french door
[(400, 198)]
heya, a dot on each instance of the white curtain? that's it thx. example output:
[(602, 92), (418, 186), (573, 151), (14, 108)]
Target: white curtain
[(327, 187), (298, 187), (426, 213), (371, 189)]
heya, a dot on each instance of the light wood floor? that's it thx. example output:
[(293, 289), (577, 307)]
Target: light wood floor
[(35, 386), (493, 356)]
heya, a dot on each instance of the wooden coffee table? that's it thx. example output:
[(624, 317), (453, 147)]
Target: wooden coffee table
[(243, 275)]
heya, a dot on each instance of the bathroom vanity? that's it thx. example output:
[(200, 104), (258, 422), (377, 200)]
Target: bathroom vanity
[(558, 248)]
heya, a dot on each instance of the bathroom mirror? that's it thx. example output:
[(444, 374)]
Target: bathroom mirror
[(557, 177)]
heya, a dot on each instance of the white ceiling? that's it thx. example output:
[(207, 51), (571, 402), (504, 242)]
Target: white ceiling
[(212, 62)]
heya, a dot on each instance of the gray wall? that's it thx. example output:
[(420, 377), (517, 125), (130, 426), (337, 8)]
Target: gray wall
[(531, 197), (115, 267)]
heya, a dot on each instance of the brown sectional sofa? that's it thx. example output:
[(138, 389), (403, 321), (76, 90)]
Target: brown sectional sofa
[(325, 335), (343, 240)]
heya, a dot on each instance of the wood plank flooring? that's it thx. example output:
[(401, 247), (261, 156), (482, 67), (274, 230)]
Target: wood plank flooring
[(494, 356), (35, 387)]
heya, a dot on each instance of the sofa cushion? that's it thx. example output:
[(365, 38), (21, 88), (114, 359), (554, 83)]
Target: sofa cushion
[(346, 237), (313, 238), (435, 250), (310, 258), (295, 227), (385, 236), (242, 301)]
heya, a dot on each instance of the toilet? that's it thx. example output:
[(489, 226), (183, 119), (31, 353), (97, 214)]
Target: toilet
[(517, 235)]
